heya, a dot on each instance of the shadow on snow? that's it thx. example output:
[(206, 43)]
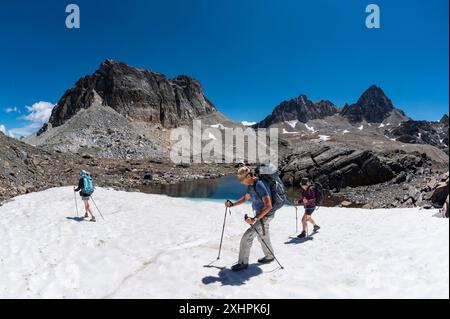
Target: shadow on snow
[(227, 277), (296, 240), (76, 219)]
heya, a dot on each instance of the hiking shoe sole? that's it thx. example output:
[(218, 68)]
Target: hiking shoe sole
[(265, 260)]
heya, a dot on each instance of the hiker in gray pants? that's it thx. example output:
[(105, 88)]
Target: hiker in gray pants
[(260, 196)]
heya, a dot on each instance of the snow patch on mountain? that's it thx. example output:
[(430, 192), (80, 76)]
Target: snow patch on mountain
[(310, 128), (219, 126), (292, 124)]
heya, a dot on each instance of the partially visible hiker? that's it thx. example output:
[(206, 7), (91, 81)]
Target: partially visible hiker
[(259, 193), (86, 188), (308, 200)]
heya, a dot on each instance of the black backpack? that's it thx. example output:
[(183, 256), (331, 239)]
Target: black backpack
[(268, 174), (318, 192)]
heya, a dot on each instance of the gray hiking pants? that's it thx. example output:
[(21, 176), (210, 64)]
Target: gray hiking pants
[(247, 240)]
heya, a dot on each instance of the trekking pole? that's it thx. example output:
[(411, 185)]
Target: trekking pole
[(223, 229), (97, 207), (264, 242), (76, 203), (296, 214)]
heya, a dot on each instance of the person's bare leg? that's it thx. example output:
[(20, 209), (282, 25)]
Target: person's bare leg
[(311, 220), (88, 209), (305, 222)]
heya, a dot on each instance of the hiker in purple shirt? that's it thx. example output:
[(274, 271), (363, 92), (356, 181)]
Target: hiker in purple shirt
[(308, 200)]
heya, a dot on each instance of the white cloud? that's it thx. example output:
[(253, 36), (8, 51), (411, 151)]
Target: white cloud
[(24, 131), (39, 112), (12, 110), (38, 115), (2, 129)]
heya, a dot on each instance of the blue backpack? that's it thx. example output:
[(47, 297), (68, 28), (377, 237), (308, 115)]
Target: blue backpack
[(88, 185)]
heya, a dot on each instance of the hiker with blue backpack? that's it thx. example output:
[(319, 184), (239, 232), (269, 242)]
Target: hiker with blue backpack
[(86, 188), (309, 199), (266, 192)]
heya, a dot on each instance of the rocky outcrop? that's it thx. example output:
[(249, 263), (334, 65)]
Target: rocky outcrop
[(25, 169), (373, 106), (438, 190), (423, 132), (299, 109), (336, 168), (138, 94)]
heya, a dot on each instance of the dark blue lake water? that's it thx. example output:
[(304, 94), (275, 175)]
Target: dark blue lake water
[(219, 189), (227, 187)]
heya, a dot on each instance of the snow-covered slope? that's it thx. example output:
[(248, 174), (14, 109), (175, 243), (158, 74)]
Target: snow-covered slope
[(153, 246)]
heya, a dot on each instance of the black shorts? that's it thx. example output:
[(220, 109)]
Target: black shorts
[(309, 210), (85, 197)]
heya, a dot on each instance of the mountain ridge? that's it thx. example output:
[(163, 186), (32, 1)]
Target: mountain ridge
[(299, 109), (373, 106), (137, 94)]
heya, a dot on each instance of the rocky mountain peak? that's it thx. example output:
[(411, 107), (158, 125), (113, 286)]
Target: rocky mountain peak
[(374, 96), (444, 120), (300, 109), (138, 94), (373, 106)]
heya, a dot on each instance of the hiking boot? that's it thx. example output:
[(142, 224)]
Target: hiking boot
[(266, 260), (302, 235), (239, 267), (92, 219), (316, 228), (86, 215)]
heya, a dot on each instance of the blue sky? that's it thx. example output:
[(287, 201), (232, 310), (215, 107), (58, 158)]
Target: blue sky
[(249, 55)]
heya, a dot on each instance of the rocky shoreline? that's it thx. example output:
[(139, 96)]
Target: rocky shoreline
[(426, 191), (25, 169)]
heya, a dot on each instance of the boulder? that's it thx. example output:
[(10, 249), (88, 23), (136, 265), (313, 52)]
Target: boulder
[(444, 210), (148, 176), (346, 203), (400, 178), (440, 194)]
